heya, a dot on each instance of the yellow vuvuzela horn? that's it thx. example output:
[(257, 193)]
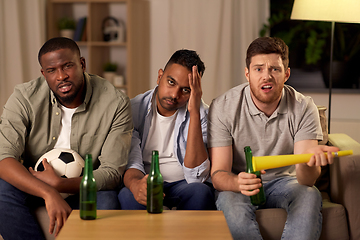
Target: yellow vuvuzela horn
[(268, 162)]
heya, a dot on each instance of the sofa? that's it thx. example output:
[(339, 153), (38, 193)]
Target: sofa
[(339, 185)]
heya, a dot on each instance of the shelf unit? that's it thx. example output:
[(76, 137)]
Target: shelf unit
[(97, 51)]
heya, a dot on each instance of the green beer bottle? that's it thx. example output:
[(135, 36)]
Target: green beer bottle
[(155, 186), (258, 199), (88, 191)]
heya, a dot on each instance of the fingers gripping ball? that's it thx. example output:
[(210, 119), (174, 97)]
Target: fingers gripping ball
[(66, 163)]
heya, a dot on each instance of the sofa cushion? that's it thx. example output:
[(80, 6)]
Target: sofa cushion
[(43, 218), (334, 227)]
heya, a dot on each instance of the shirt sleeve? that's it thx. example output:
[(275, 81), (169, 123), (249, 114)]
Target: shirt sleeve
[(13, 127), (115, 150), (197, 174), (135, 156), (201, 172), (218, 132), (309, 126)]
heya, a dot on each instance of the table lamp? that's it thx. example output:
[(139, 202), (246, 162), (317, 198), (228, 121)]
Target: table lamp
[(329, 11)]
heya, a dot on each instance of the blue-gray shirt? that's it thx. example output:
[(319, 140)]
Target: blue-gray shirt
[(142, 115)]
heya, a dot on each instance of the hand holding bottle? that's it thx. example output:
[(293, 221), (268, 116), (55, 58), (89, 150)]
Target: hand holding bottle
[(259, 198), (249, 183)]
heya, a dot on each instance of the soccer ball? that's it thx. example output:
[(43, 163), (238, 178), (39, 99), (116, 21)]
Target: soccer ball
[(66, 163)]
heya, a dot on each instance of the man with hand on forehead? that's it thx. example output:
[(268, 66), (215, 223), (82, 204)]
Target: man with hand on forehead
[(171, 118)]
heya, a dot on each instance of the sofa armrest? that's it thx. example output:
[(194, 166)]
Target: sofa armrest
[(345, 180)]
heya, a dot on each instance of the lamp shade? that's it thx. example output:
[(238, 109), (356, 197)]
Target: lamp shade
[(327, 10)]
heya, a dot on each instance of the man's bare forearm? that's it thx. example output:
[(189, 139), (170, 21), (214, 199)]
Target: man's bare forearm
[(17, 175), (131, 175), (224, 180), (196, 152)]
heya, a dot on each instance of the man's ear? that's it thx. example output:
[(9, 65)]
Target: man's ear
[(247, 73), (287, 74), (160, 74), (83, 63)]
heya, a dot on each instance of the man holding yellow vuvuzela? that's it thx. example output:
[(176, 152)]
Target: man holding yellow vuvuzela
[(273, 119)]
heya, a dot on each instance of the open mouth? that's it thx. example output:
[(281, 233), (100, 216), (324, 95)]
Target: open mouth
[(266, 87), (64, 87)]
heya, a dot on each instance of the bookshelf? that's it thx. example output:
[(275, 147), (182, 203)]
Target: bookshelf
[(129, 54)]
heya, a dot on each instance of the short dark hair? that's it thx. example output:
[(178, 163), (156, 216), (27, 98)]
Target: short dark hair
[(57, 43), (268, 45), (188, 59)]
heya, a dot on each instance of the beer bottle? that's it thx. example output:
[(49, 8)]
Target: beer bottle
[(88, 191), (155, 186), (258, 199)]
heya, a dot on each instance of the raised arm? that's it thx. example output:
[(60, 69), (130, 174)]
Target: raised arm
[(307, 173), (196, 152)]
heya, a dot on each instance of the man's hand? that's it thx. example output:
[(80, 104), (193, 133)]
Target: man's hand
[(248, 183), (58, 211), (319, 158), (48, 175), (307, 173), (196, 92), (139, 190)]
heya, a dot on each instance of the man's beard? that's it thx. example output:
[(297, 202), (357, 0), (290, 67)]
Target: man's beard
[(265, 99), (67, 100)]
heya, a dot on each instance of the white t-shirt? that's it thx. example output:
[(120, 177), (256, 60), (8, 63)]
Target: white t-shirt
[(161, 138), (65, 128)]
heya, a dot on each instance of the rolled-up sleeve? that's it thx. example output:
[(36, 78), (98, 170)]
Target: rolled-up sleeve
[(197, 174), (201, 172)]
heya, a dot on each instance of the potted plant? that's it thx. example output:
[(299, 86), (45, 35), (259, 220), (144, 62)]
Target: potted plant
[(109, 71), (306, 39), (66, 26), (309, 44)]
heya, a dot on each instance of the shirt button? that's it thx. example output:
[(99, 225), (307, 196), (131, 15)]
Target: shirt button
[(54, 138), (57, 113)]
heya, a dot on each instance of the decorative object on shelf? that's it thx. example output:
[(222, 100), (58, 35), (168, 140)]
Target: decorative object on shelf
[(66, 26), (119, 81), (113, 30), (110, 71), (80, 29), (328, 11)]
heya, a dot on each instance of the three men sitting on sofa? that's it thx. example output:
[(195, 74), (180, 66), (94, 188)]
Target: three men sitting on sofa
[(70, 108)]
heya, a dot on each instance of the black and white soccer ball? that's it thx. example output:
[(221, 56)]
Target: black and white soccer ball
[(67, 163)]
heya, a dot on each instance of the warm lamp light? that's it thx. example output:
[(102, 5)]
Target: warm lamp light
[(328, 11)]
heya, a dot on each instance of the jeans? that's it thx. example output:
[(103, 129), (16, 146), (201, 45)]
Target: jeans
[(179, 194), (17, 220), (302, 203)]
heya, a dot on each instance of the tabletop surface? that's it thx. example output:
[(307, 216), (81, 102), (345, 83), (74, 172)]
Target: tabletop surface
[(138, 224)]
